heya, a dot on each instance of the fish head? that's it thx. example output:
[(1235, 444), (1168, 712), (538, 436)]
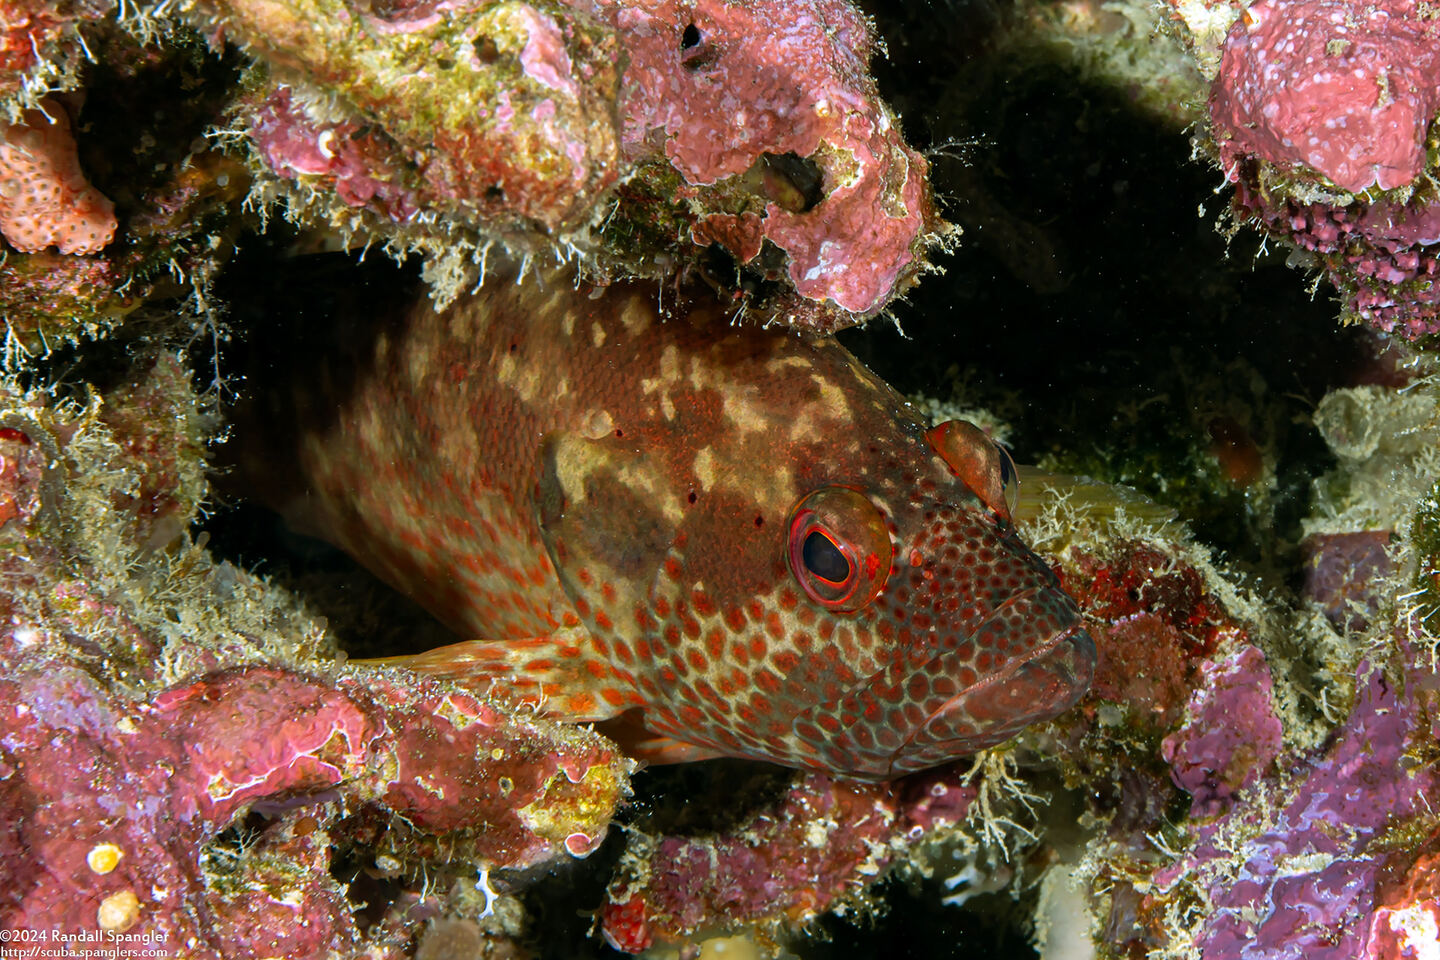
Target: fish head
[(971, 636), (789, 566)]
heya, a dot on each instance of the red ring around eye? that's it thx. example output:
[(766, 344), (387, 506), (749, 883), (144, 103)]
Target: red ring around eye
[(839, 548)]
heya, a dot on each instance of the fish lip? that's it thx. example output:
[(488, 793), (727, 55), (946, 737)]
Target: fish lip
[(1076, 682)]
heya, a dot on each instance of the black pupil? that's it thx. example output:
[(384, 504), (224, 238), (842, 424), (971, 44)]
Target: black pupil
[(824, 559)]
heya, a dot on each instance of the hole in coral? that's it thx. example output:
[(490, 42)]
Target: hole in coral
[(792, 182), (486, 50), (757, 282), (695, 53), (495, 193), (373, 887)]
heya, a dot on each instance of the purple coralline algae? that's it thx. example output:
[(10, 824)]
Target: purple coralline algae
[(1292, 870), (1231, 735)]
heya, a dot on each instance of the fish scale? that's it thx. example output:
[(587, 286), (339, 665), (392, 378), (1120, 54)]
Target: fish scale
[(640, 520)]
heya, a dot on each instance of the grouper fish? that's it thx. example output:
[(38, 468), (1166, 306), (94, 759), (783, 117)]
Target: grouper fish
[(730, 541)]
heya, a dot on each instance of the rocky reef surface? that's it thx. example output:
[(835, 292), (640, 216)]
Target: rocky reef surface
[(1242, 493)]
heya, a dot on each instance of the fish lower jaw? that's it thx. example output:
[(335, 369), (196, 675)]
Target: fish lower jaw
[(999, 706)]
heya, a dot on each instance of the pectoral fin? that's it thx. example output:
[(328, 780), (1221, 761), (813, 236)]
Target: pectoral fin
[(629, 732), (560, 675)]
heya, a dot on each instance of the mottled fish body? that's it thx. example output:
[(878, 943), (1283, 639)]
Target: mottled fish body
[(739, 537)]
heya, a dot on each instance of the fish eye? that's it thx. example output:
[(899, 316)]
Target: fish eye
[(983, 465), (824, 558), (839, 548)]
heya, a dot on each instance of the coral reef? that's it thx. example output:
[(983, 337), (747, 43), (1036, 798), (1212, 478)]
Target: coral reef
[(497, 113), (453, 127), (176, 202), (41, 48), (157, 702), (1320, 113), (187, 760), (814, 850)]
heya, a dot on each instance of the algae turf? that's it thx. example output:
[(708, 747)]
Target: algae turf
[(1425, 539)]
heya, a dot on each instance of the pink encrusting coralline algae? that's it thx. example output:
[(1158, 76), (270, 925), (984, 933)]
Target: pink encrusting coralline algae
[(722, 85), (1315, 95), (1231, 735), (813, 850), (634, 133), (1346, 89)]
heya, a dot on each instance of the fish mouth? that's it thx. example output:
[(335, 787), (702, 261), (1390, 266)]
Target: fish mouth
[(1042, 685)]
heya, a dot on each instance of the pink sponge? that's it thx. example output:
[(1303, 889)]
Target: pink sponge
[(45, 199)]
